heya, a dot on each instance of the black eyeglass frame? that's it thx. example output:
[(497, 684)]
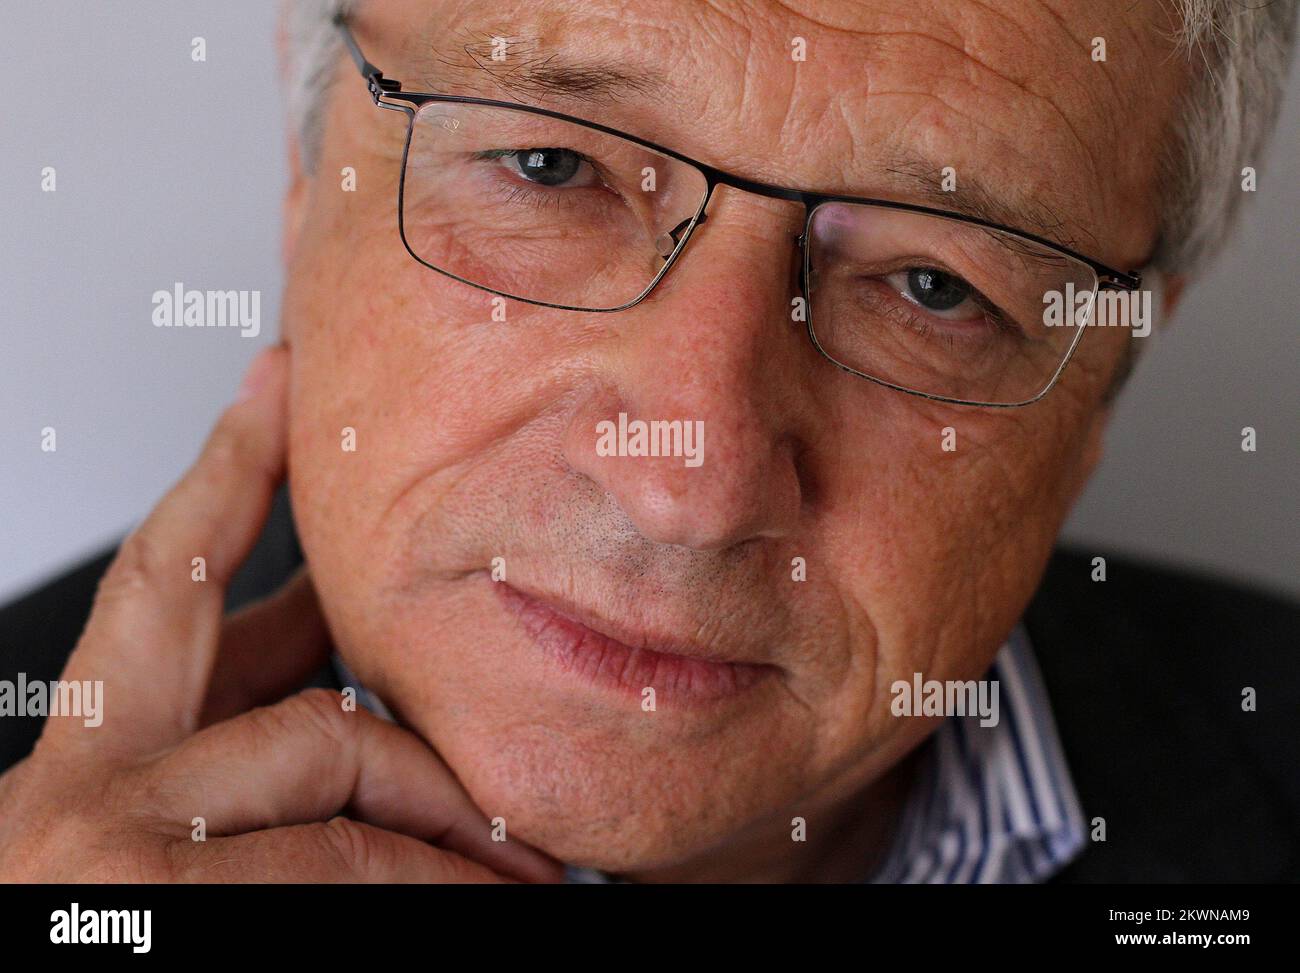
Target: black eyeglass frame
[(381, 87)]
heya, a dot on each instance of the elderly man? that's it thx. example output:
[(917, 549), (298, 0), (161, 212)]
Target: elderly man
[(680, 403)]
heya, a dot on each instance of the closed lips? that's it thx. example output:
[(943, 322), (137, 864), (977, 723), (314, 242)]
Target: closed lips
[(576, 648)]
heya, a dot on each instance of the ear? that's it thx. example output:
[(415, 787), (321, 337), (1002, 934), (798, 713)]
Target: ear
[(295, 205), (1094, 444), (1174, 285)]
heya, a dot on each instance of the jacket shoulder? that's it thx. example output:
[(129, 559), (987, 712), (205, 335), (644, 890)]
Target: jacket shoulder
[(38, 632), (1175, 695)]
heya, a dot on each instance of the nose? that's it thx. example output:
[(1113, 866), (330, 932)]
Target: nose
[(715, 349)]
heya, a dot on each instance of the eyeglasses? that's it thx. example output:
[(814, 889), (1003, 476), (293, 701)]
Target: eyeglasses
[(552, 210)]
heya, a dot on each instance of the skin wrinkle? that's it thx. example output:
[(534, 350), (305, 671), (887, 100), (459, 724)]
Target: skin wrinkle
[(748, 81), (1083, 50), (635, 83), (1042, 99), (868, 636), (642, 79), (532, 74), (428, 474), (509, 432), (851, 144), (477, 441), (1116, 96), (885, 94), (1035, 216), (1015, 25)]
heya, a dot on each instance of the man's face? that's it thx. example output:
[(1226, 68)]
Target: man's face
[(476, 438)]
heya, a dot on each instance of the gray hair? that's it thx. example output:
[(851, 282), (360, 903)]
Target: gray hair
[(309, 52), (1223, 125)]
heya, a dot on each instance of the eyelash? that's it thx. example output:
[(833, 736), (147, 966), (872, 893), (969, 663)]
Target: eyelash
[(531, 197), (913, 316), (538, 197)]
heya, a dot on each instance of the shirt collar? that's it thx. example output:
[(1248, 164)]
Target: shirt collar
[(991, 804)]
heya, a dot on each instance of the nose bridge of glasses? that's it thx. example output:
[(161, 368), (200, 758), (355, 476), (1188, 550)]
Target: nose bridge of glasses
[(668, 242), (747, 187)]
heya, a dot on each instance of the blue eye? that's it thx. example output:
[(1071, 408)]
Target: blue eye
[(934, 290), (943, 294), (546, 167)]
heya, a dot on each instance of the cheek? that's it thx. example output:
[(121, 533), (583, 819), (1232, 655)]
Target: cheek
[(407, 385), (350, 388), (939, 550)]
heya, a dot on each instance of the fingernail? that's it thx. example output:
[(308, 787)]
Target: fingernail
[(256, 375)]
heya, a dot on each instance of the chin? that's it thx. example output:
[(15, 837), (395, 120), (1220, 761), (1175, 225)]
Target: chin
[(568, 758), (615, 798)]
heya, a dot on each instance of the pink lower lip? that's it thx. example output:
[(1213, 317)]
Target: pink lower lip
[(599, 660)]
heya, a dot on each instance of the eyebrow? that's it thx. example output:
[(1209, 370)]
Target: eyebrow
[(922, 181), (531, 73)]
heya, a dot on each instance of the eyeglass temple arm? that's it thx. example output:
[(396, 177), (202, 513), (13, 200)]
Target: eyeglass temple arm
[(375, 80), (1121, 281)]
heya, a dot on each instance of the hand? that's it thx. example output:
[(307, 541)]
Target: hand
[(178, 741)]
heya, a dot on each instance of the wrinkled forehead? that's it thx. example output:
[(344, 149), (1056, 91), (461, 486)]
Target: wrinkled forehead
[(1044, 116)]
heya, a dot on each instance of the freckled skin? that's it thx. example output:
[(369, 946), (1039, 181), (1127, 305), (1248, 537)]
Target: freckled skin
[(476, 439)]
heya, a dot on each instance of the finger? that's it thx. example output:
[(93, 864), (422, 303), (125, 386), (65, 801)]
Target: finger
[(306, 759), (267, 651), (339, 850), (153, 630)]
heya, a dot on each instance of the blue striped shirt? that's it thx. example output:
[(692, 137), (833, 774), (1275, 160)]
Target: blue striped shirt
[(992, 804)]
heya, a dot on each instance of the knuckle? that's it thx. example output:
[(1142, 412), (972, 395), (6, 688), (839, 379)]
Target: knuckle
[(135, 570), (266, 723), (230, 453), (131, 858), (349, 845), (182, 860), (317, 710), (457, 869), (322, 710), (225, 446), (93, 832), (79, 842), (143, 792)]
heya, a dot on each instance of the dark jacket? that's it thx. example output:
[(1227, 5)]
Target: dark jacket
[(1145, 672)]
